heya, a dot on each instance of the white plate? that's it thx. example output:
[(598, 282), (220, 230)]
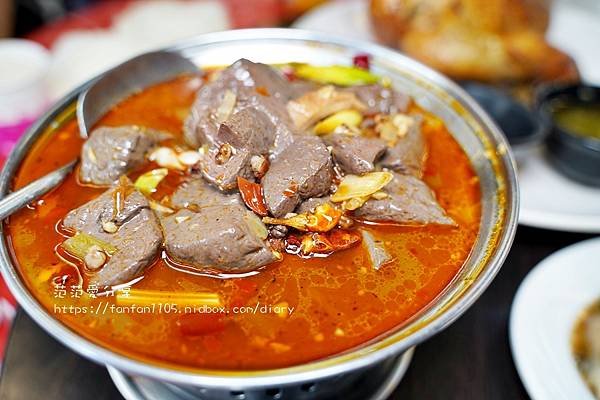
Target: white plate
[(551, 200), (548, 199), (542, 317), (343, 17)]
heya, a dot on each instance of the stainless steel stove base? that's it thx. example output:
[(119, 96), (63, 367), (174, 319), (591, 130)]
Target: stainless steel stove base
[(374, 383)]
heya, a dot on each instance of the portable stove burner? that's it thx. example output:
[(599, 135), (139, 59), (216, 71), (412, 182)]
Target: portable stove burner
[(374, 383)]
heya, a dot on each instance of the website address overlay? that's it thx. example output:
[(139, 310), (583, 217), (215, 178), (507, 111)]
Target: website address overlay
[(107, 308)]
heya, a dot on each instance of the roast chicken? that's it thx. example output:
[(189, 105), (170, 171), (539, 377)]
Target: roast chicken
[(485, 40)]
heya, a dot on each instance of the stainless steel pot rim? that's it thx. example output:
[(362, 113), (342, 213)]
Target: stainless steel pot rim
[(313, 371)]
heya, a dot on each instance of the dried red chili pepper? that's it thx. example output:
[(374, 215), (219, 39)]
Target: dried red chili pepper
[(361, 61), (289, 74), (327, 243), (292, 244), (343, 239), (252, 195)]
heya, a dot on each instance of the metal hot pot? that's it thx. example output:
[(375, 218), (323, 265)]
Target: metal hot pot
[(380, 361)]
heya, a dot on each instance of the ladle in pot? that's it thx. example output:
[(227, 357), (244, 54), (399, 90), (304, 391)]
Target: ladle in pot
[(96, 100)]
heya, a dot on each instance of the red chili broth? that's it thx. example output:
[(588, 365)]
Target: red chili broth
[(340, 301)]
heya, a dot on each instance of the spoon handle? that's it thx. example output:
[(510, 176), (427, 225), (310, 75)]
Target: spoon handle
[(126, 79), (20, 198)]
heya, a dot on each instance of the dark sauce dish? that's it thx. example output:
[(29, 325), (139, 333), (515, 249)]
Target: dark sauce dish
[(574, 141), (522, 126)]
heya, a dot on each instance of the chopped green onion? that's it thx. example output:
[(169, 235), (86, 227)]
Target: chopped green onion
[(336, 74), (80, 245), (148, 182), (349, 118)]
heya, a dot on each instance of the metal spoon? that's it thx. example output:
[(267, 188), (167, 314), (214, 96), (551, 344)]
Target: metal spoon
[(20, 198), (126, 79), (96, 100)]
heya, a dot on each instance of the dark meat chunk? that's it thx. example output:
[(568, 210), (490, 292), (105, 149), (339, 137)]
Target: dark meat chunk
[(408, 155), (196, 193), (303, 170), (355, 154), (246, 134), (133, 229), (255, 86), (223, 238), (262, 77), (301, 87), (113, 151), (379, 99), (248, 128), (308, 206), (223, 170), (410, 201)]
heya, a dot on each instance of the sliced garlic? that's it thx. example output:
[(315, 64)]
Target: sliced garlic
[(259, 165), (347, 130), (166, 157), (403, 122), (326, 92), (92, 155), (226, 107), (224, 153), (95, 257), (156, 206), (179, 220), (109, 227), (354, 203), (380, 195), (189, 157), (353, 186), (321, 103), (394, 127), (387, 132)]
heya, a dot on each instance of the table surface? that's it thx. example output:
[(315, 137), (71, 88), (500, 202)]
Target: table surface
[(469, 360)]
